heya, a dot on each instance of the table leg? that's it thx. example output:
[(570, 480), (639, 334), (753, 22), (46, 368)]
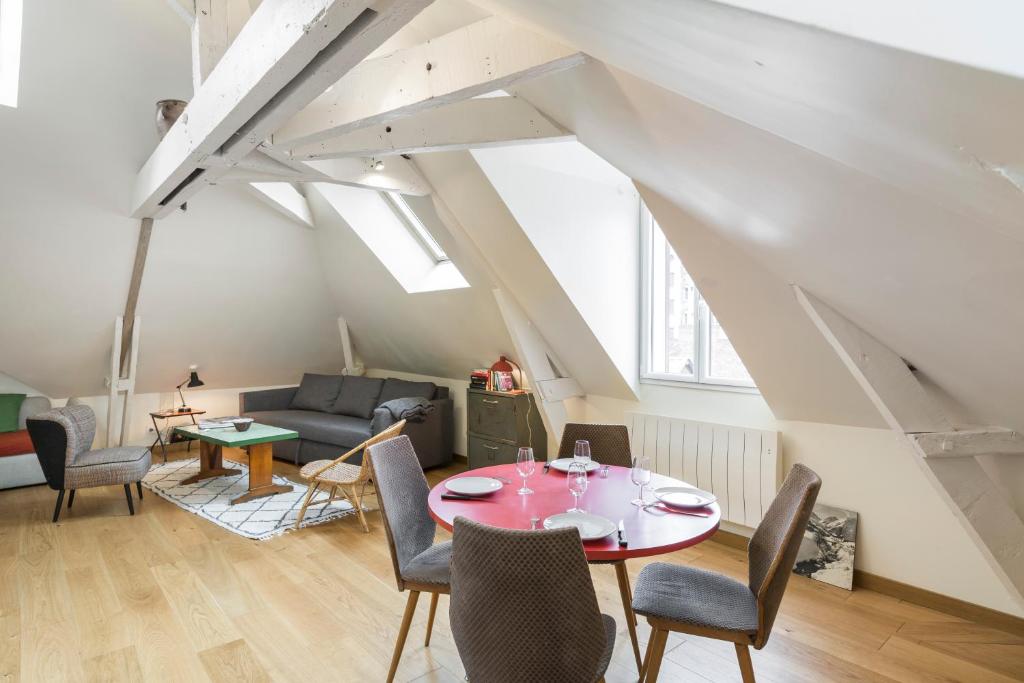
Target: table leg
[(211, 464), (261, 475), (159, 439), (627, 606), (189, 446)]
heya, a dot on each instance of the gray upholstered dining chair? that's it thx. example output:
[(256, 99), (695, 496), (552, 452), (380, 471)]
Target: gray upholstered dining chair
[(710, 605), (420, 566), (523, 607), (609, 444), (63, 437)]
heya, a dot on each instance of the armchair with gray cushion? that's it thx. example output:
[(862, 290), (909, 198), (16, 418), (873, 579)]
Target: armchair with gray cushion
[(63, 437), (335, 413)]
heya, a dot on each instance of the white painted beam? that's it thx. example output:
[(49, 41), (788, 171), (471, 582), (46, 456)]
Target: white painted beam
[(184, 9), (286, 54), (398, 174), (488, 55), (559, 389), (217, 24), (285, 199), (470, 124), (882, 374), (970, 442)]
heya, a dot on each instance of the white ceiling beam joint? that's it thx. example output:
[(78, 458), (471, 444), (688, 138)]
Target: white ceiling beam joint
[(485, 56)]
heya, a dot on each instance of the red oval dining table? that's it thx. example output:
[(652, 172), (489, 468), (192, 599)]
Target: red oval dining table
[(647, 532)]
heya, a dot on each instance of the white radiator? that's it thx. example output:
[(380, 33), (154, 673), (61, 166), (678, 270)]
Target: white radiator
[(742, 467)]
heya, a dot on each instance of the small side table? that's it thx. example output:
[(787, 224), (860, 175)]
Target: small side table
[(165, 415)]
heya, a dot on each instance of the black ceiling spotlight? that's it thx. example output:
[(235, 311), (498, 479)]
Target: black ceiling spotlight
[(192, 382)]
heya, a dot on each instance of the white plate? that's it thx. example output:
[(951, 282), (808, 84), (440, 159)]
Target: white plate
[(591, 526), (684, 497), (473, 486), (562, 465)]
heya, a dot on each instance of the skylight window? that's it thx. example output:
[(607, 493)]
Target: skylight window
[(416, 227), (10, 51)]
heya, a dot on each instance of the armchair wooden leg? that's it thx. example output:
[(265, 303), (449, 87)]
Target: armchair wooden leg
[(71, 499), (138, 484), (658, 640), (430, 617), (56, 509), (128, 495), (410, 609), (305, 504), (746, 666), (359, 510)]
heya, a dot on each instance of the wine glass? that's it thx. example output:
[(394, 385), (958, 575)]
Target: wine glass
[(576, 478), (640, 475), (581, 453), (525, 466)]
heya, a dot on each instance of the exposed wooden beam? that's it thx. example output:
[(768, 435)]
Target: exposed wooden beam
[(134, 285), (286, 54), (477, 123), (397, 175), (184, 9), (217, 24), (970, 442), (488, 55)]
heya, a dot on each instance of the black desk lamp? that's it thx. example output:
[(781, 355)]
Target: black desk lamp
[(192, 382)]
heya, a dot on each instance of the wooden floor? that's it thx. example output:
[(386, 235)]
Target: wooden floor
[(165, 596)]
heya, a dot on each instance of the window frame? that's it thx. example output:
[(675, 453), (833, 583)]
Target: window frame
[(702, 378), (11, 17), (415, 226)]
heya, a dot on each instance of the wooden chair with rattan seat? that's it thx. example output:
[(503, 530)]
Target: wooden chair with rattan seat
[(609, 443), (711, 605), (344, 476)]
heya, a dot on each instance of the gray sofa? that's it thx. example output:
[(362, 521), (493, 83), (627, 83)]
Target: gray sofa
[(334, 413)]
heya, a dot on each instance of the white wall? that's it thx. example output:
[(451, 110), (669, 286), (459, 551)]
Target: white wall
[(9, 385), (906, 532)]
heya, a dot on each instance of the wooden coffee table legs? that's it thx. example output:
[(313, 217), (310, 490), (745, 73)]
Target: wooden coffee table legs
[(261, 470), (261, 475)]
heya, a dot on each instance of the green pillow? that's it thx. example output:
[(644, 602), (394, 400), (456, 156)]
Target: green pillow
[(10, 406)]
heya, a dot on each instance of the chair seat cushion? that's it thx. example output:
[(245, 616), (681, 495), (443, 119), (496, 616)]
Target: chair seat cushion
[(340, 430), (108, 466), (696, 597), (342, 473), (433, 565)]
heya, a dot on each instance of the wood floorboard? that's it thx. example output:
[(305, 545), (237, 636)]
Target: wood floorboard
[(165, 596)]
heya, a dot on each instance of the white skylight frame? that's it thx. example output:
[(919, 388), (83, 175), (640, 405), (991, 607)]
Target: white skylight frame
[(10, 51), (416, 227)]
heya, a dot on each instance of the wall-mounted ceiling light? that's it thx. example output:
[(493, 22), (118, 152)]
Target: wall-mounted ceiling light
[(378, 165)]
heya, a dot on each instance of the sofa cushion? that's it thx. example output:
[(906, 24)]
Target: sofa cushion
[(316, 392), (358, 396), (341, 430), (400, 388), (10, 406), (16, 443)]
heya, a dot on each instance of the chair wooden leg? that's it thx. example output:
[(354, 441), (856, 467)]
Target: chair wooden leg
[(305, 504), (359, 511), (647, 656), (627, 607), (746, 666), (658, 651), (410, 609), (71, 499), (56, 509), (128, 495), (430, 617), (138, 485)]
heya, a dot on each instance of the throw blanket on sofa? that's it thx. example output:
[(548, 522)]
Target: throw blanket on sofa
[(409, 409)]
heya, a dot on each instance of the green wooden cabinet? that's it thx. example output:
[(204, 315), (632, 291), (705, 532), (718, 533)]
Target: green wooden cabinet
[(498, 424)]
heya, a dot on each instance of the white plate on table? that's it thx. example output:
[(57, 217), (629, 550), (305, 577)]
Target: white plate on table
[(473, 486), (562, 465), (684, 497), (591, 527)]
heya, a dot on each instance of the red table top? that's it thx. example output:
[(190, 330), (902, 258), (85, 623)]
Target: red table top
[(648, 533)]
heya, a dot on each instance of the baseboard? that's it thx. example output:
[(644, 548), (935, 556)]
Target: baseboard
[(912, 594), (457, 457)]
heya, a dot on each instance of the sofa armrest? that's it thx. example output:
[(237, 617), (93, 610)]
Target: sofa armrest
[(434, 437), (266, 399)]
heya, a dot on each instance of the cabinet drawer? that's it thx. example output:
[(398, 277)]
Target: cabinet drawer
[(493, 416), (484, 452)]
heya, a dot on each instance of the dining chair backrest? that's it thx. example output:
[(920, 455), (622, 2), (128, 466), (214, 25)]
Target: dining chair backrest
[(402, 492), (389, 433), (609, 444), (774, 545), (523, 606)]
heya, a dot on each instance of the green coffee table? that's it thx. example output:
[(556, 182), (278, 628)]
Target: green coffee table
[(256, 440)]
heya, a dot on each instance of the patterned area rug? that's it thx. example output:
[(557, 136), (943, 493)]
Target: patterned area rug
[(260, 519)]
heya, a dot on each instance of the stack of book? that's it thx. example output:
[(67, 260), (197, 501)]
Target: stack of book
[(480, 379)]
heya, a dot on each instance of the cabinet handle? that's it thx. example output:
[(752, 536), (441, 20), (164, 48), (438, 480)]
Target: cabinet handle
[(493, 403), (490, 448)]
